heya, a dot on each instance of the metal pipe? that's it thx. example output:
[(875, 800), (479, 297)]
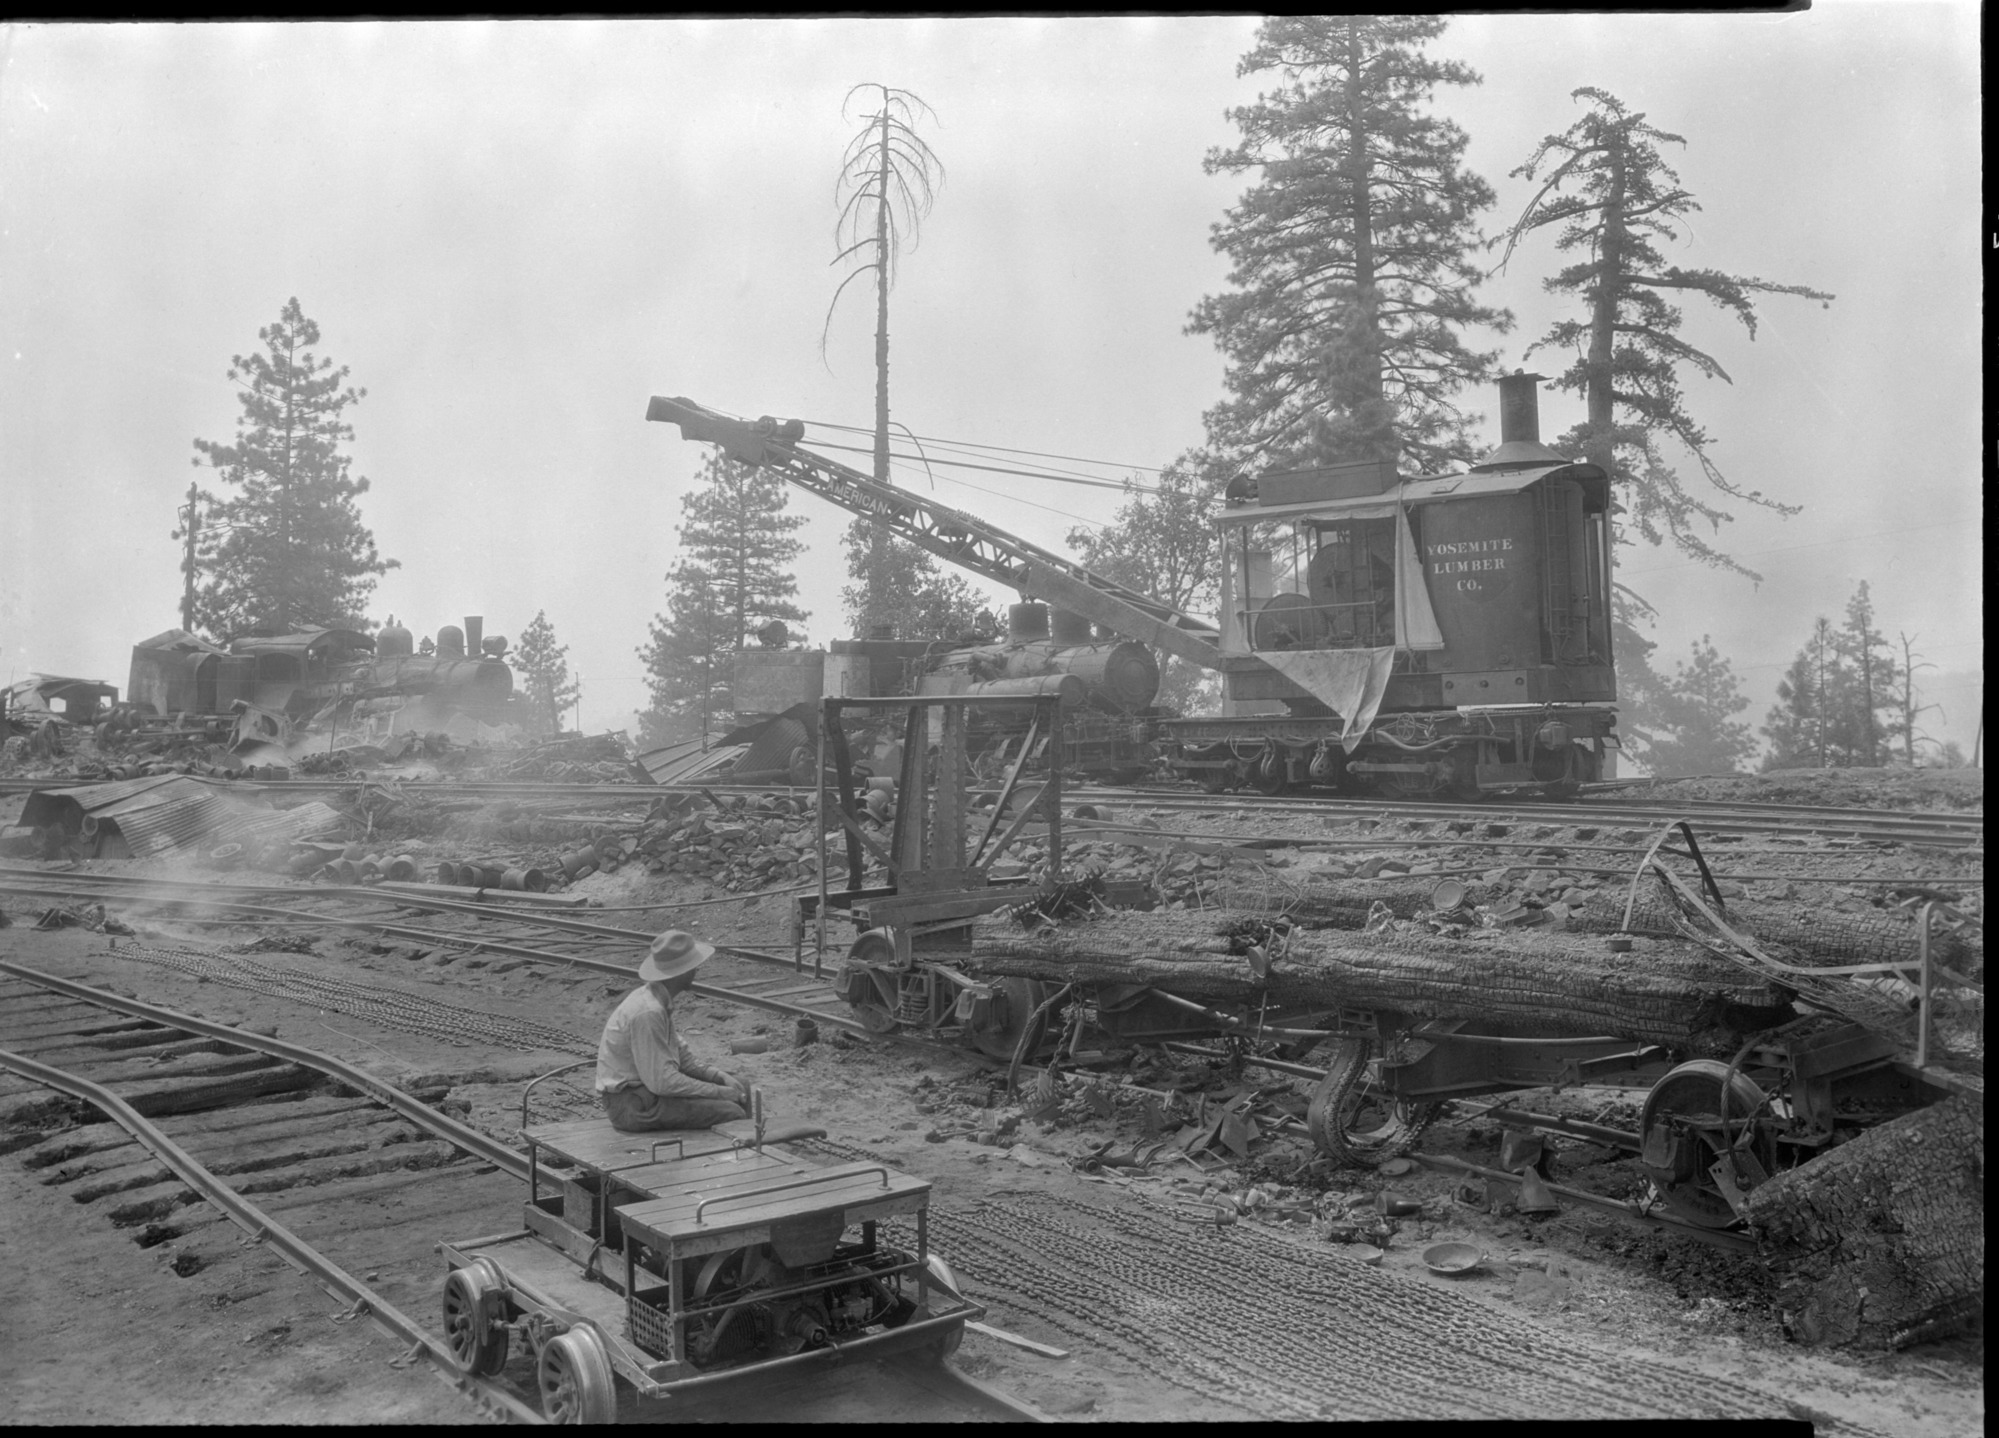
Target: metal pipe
[(1304, 1071), (1732, 1242)]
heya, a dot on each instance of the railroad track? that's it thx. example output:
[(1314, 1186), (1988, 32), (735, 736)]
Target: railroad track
[(339, 1173), (210, 1127), (1605, 805), (770, 982), (1916, 827)]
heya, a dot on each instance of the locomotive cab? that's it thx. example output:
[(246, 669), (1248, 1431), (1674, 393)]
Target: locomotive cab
[(1405, 607)]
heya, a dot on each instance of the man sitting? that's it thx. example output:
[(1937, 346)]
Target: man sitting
[(646, 1078)]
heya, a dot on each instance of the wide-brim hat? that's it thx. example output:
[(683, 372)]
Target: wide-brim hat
[(672, 954)]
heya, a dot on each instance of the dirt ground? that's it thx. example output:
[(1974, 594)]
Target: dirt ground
[(98, 1330)]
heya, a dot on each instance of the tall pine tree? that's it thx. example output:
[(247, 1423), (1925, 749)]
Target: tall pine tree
[(544, 671), (1697, 712), (1344, 334), (285, 550), (1801, 726), (733, 575), (1608, 188), (1871, 678)]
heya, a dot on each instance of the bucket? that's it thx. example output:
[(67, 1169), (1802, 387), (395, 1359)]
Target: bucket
[(401, 867), (535, 881), (576, 865), (447, 873)]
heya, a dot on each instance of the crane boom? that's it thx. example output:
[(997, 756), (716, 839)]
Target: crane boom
[(969, 542)]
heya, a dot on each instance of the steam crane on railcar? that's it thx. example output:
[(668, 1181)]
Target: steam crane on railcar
[(1443, 635)]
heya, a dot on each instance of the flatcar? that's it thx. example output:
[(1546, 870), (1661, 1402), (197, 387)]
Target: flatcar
[(670, 1261)]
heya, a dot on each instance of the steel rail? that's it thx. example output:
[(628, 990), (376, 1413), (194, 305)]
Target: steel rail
[(1951, 833), (535, 955), (1945, 817), (263, 1228), (472, 1140)]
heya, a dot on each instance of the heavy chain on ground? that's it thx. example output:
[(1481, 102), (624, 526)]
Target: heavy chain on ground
[(283, 977), (1253, 1319)]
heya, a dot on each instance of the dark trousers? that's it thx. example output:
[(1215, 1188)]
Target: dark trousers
[(640, 1110)]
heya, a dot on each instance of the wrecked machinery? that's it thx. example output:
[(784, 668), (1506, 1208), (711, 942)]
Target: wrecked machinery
[(299, 675), (1436, 635), (1757, 1059)]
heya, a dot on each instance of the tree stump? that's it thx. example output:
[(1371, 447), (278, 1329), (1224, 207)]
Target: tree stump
[(1883, 1239)]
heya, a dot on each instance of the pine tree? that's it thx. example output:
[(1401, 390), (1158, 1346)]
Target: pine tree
[(287, 550), (1162, 542), (1616, 200), (733, 576), (544, 670), (1871, 679), (1699, 712), (1353, 286), (1642, 692), (902, 589), (1800, 727)]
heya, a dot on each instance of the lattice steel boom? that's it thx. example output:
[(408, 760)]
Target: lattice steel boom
[(969, 542)]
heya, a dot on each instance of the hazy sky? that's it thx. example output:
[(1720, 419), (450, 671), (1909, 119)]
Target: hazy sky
[(515, 232)]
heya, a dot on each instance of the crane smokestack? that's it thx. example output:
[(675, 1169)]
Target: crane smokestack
[(1520, 407), (1519, 426)]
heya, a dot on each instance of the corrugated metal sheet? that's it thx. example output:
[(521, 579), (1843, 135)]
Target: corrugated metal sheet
[(165, 813), (46, 806), (685, 762), (159, 823), (277, 825)]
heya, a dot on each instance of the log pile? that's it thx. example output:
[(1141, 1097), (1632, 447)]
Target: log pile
[(1662, 991), (1883, 1238)]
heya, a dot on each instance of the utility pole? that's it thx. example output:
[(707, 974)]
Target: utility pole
[(193, 527)]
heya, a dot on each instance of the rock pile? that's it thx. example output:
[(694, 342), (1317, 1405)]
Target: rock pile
[(735, 842)]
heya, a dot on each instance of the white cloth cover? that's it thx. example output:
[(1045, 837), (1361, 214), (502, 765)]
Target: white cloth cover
[(1415, 621), (1350, 682)]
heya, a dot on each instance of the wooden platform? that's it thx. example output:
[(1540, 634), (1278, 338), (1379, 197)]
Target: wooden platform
[(593, 1144), (735, 1210)]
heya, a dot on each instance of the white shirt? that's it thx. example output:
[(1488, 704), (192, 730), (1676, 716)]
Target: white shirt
[(640, 1047)]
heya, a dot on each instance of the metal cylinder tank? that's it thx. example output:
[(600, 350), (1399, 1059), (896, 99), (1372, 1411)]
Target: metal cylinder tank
[(1027, 621), (394, 642)]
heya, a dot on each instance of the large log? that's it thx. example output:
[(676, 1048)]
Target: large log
[(1883, 1239), (1662, 991)]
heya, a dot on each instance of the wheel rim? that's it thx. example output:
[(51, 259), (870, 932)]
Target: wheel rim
[(1013, 1007), (471, 1296), (1272, 773), (575, 1379), (1693, 1092)]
